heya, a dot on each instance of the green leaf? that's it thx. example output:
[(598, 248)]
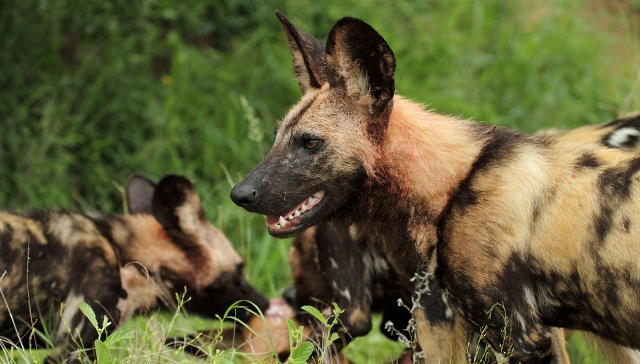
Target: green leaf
[(336, 310), (315, 313), (292, 331), (102, 353), (302, 352), (119, 336), (88, 312), (105, 322), (333, 338)]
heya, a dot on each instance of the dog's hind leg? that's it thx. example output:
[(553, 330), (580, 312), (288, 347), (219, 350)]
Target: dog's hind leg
[(616, 354), (560, 345)]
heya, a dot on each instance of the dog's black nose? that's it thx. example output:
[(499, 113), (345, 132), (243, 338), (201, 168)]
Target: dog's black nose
[(243, 194)]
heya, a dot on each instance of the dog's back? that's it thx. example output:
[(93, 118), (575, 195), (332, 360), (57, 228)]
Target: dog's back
[(52, 257)]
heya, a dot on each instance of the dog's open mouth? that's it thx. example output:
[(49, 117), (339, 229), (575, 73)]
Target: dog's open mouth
[(288, 222)]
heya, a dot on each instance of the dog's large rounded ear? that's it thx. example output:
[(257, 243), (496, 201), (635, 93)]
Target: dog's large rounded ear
[(139, 193), (177, 208), (359, 60), (307, 54)]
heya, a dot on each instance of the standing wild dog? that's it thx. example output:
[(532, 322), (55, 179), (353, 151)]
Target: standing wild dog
[(332, 262), (524, 233), (116, 264)]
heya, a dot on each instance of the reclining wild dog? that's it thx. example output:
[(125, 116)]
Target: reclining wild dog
[(116, 264), (535, 229)]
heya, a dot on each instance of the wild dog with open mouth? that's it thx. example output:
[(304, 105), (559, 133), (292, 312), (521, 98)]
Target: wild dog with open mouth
[(117, 264), (332, 262), (525, 233)]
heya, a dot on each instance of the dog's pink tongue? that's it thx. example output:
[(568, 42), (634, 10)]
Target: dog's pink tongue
[(278, 308)]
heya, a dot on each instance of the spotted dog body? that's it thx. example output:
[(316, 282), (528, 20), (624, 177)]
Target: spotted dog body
[(55, 257), (332, 262), (117, 264), (525, 233)]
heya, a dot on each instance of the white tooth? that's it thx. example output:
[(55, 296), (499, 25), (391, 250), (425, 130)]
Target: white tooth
[(319, 194), (298, 213), (304, 208), (277, 226), (282, 221), (290, 217), (311, 200)]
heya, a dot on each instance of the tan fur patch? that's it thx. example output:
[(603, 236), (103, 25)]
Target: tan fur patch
[(446, 343), (21, 227)]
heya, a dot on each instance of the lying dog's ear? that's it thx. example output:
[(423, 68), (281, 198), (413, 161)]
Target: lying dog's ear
[(139, 193), (307, 54), (359, 60), (176, 206)]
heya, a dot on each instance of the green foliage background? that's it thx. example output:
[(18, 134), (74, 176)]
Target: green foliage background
[(93, 91)]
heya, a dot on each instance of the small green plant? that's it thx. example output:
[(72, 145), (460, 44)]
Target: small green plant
[(328, 337), (505, 349), (480, 353), (103, 354), (300, 350)]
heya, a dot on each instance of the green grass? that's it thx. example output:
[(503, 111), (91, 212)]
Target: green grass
[(91, 92)]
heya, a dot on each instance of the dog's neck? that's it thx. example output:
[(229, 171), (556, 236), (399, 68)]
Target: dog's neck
[(424, 158), (429, 154)]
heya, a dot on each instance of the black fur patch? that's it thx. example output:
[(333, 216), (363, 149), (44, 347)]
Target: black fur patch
[(632, 121), (6, 252), (367, 50), (170, 194), (602, 222), (500, 146), (614, 185), (588, 160), (434, 306), (466, 198)]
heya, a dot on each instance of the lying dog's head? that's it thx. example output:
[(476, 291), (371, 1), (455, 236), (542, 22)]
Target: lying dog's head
[(326, 145), (180, 248)]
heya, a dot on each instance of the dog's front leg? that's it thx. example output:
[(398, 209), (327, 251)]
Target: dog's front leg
[(96, 282)]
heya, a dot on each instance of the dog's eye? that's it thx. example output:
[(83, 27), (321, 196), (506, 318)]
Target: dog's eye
[(311, 143)]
